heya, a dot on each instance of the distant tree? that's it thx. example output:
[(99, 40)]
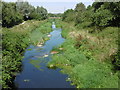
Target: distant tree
[(55, 15), (51, 15), (59, 15)]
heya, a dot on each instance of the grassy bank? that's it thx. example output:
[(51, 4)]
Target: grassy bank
[(14, 42), (89, 59), (40, 33)]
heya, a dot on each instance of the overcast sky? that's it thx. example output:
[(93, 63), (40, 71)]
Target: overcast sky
[(56, 6)]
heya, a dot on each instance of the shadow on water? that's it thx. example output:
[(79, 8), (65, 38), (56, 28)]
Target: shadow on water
[(35, 73)]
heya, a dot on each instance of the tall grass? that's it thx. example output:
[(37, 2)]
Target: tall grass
[(39, 34), (86, 57)]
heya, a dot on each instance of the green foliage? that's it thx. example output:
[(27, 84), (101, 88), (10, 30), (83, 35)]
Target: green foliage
[(80, 7), (100, 14), (42, 12), (84, 72), (16, 13), (113, 8), (98, 64), (30, 12), (68, 15), (15, 40), (116, 61), (106, 14), (14, 43), (24, 8), (80, 58), (10, 16), (75, 15), (84, 25), (54, 15), (102, 17), (39, 34), (93, 74), (97, 5), (34, 15)]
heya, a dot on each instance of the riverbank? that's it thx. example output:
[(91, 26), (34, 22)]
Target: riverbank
[(90, 59), (15, 41)]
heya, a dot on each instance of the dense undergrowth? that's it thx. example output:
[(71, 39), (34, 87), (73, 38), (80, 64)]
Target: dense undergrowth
[(14, 42), (89, 59)]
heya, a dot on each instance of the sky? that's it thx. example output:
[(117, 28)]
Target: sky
[(56, 6)]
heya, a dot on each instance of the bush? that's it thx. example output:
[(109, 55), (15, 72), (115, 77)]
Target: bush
[(14, 44)]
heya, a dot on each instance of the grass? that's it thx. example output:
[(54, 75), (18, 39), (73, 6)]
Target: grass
[(40, 34), (86, 57), (15, 41)]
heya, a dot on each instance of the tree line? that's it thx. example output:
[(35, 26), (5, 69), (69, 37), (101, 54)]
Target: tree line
[(99, 14), (15, 13)]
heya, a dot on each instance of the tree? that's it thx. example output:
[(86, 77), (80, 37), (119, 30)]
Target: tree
[(80, 7), (68, 15), (15, 13), (102, 17), (34, 15), (24, 8), (39, 13), (10, 16), (79, 11), (97, 5), (42, 12), (114, 8), (106, 14)]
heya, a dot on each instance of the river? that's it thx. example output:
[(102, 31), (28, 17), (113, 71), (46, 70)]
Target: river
[(35, 73)]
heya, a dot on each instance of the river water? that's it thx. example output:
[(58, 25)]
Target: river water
[(35, 73)]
